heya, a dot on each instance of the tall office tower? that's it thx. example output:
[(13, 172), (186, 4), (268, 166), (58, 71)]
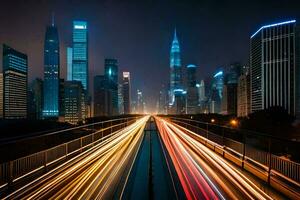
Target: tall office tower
[(216, 92), (61, 98), (80, 69), (14, 83), (1, 95), (51, 73), (35, 99), (126, 92), (192, 90), (69, 64), (229, 100), (275, 67), (74, 100), (163, 101), (201, 88), (243, 95), (102, 97), (175, 70), (120, 99), (140, 102), (111, 74)]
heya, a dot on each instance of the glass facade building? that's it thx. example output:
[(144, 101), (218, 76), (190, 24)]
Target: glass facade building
[(15, 79), (51, 73), (69, 63), (126, 89), (111, 74), (275, 67), (80, 53)]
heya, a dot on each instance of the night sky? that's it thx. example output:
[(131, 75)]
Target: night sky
[(139, 33)]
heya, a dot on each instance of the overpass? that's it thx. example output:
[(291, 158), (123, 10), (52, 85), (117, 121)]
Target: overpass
[(154, 157)]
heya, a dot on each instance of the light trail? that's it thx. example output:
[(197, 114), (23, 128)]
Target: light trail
[(94, 174), (199, 160)]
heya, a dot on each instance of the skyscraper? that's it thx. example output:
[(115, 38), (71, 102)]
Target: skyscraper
[(140, 102), (243, 95), (201, 87), (15, 83), (102, 97), (216, 92), (275, 67), (35, 99), (51, 72), (175, 70), (192, 90), (111, 74), (126, 92), (69, 64), (73, 102), (120, 99), (80, 53)]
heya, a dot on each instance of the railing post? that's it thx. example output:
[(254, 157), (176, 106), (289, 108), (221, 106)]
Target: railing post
[(270, 160), (10, 174), (101, 131), (81, 144), (45, 160), (223, 140)]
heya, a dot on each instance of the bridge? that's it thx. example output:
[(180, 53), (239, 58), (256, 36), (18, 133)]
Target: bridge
[(153, 157)]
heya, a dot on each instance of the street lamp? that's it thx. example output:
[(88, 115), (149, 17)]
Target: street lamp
[(212, 120), (234, 122)]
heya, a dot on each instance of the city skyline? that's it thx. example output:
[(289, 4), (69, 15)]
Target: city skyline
[(123, 41)]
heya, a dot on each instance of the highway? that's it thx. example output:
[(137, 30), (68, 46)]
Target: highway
[(202, 173), (97, 173)]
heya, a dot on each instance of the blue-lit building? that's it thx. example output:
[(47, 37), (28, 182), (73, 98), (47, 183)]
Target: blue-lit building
[(111, 74), (192, 97), (80, 53), (175, 70), (51, 73), (69, 63), (15, 79), (216, 92), (275, 67)]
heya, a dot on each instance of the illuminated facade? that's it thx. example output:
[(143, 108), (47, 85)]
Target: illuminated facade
[(275, 67), (175, 70), (35, 99), (80, 53), (69, 63), (111, 74), (192, 90), (51, 73), (126, 89), (216, 92), (14, 83), (1, 95)]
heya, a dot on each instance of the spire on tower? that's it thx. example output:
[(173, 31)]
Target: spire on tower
[(52, 19)]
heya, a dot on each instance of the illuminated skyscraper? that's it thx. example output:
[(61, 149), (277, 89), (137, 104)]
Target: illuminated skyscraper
[(51, 72), (111, 74), (275, 67), (192, 90), (126, 92), (69, 64), (35, 99), (216, 92), (175, 70), (15, 83), (80, 53), (140, 102)]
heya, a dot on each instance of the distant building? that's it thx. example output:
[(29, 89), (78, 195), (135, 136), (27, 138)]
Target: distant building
[(51, 73), (102, 97), (126, 92), (80, 68), (243, 93), (120, 99), (216, 92), (74, 102), (15, 78), (201, 89), (69, 63), (111, 74), (192, 98), (140, 102), (163, 101), (61, 98), (176, 75), (229, 99), (35, 99), (1, 95), (275, 66)]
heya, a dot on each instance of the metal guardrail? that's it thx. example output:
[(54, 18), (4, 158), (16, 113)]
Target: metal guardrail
[(248, 146), (15, 170)]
